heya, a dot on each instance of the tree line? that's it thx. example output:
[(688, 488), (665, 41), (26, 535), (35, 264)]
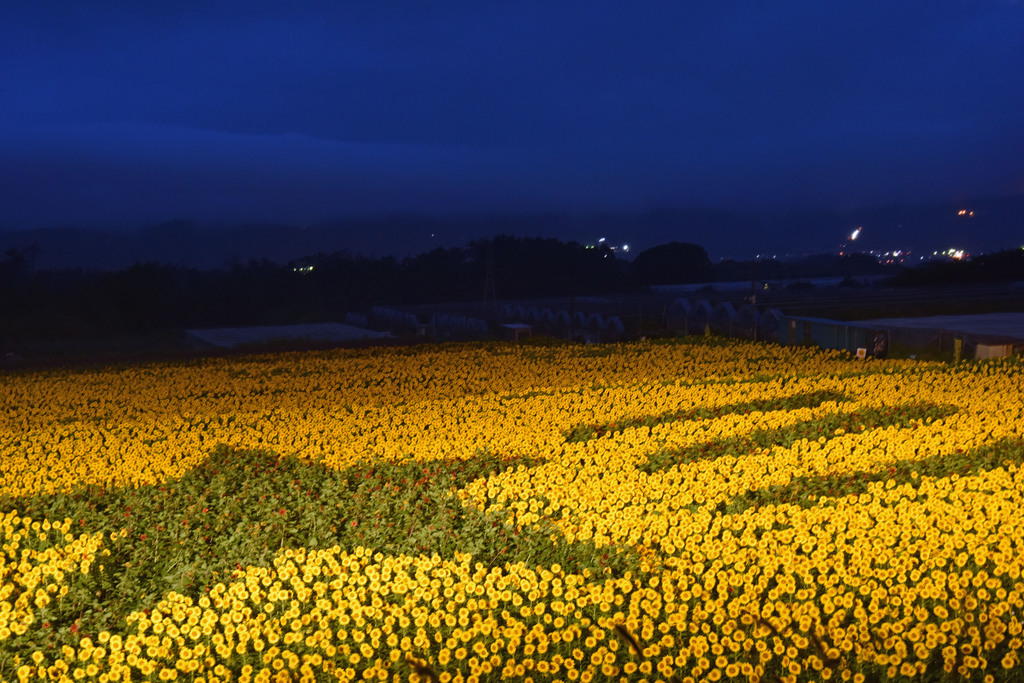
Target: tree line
[(149, 298)]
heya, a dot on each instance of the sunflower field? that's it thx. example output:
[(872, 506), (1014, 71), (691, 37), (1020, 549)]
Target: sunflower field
[(652, 511)]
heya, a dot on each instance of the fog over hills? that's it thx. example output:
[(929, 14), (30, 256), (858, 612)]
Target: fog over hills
[(988, 224)]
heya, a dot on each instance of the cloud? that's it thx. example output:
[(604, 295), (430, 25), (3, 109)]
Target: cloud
[(299, 110), (141, 172)]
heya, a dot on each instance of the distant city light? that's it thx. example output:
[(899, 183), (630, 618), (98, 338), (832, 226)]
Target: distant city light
[(855, 234), (965, 212), (892, 257), (602, 242), (302, 269)]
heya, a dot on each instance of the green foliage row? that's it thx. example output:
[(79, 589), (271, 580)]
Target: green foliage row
[(825, 427), (807, 400), (239, 508), (827, 489)]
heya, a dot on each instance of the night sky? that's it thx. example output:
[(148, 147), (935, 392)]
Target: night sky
[(120, 114)]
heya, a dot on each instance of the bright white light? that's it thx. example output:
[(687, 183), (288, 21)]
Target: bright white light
[(855, 234), (625, 248)]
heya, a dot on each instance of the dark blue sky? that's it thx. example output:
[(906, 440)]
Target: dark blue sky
[(127, 113)]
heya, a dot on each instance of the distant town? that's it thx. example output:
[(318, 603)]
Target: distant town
[(900, 234)]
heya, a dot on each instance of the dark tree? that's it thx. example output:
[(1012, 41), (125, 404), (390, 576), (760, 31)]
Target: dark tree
[(673, 263)]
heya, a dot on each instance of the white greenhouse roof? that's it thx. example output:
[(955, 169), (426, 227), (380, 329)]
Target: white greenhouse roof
[(229, 337)]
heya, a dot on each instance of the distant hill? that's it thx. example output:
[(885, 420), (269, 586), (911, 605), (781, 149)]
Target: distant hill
[(994, 224)]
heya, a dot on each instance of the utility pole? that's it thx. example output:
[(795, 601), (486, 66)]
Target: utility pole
[(753, 272), (572, 318), (490, 303)]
